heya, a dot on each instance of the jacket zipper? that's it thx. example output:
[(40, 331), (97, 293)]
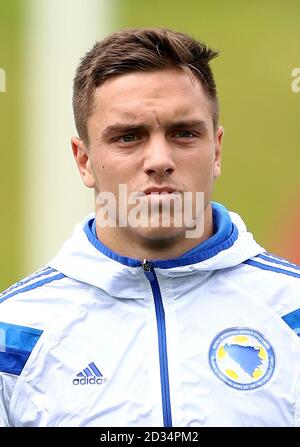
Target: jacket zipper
[(162, 342)]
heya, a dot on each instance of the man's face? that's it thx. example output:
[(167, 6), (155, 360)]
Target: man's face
[(152, 130)]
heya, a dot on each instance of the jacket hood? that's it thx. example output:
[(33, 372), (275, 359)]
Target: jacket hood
[(84, 258)]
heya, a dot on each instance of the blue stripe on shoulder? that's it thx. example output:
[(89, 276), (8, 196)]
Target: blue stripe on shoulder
[(271, 268), (16, 345), (293, 320), (46, 271), (279, 261), (267, 253), (33, 286)]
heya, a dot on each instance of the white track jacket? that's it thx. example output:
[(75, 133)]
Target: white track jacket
[(97, 339)]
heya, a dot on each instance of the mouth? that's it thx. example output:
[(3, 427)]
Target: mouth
[(161, 190)]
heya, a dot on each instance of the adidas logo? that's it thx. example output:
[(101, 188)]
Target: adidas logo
[(89, 376)]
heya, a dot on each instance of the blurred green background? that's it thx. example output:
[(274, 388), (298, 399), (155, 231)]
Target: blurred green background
[(10, 143), (259, 45)]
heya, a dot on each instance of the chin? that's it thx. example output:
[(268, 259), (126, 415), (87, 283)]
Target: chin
[(159, 234)]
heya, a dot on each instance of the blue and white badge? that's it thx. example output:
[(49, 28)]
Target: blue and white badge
[(242, 358)]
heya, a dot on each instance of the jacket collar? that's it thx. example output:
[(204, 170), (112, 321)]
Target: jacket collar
[(225, 234), (86, 259)]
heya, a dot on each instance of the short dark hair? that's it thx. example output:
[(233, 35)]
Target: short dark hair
[(146, 49)]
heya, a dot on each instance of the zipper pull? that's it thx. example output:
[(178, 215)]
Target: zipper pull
[(148, 269)]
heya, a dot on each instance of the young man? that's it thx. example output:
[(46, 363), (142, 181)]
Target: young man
[(137, 322)]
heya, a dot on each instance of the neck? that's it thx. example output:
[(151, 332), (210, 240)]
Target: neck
[(128, 242)]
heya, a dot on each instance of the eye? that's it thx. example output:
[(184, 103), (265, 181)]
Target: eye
[(184, 134), (128, 138)]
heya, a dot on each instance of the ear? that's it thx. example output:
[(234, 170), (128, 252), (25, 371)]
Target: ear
[(83, 160), (218, 150)]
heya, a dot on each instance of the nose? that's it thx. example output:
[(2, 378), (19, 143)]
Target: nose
[(159, 158)]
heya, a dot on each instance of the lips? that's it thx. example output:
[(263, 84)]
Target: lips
[(159, 190)]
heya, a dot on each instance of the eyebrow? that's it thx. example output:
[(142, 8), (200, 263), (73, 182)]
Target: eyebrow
[(120, 128), (123, 127), (200, 124)]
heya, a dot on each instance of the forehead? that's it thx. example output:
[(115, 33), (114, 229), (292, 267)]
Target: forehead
[(162, 95)]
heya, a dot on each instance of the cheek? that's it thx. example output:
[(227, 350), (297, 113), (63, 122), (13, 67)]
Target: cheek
[(198, 170), (110, 174)]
